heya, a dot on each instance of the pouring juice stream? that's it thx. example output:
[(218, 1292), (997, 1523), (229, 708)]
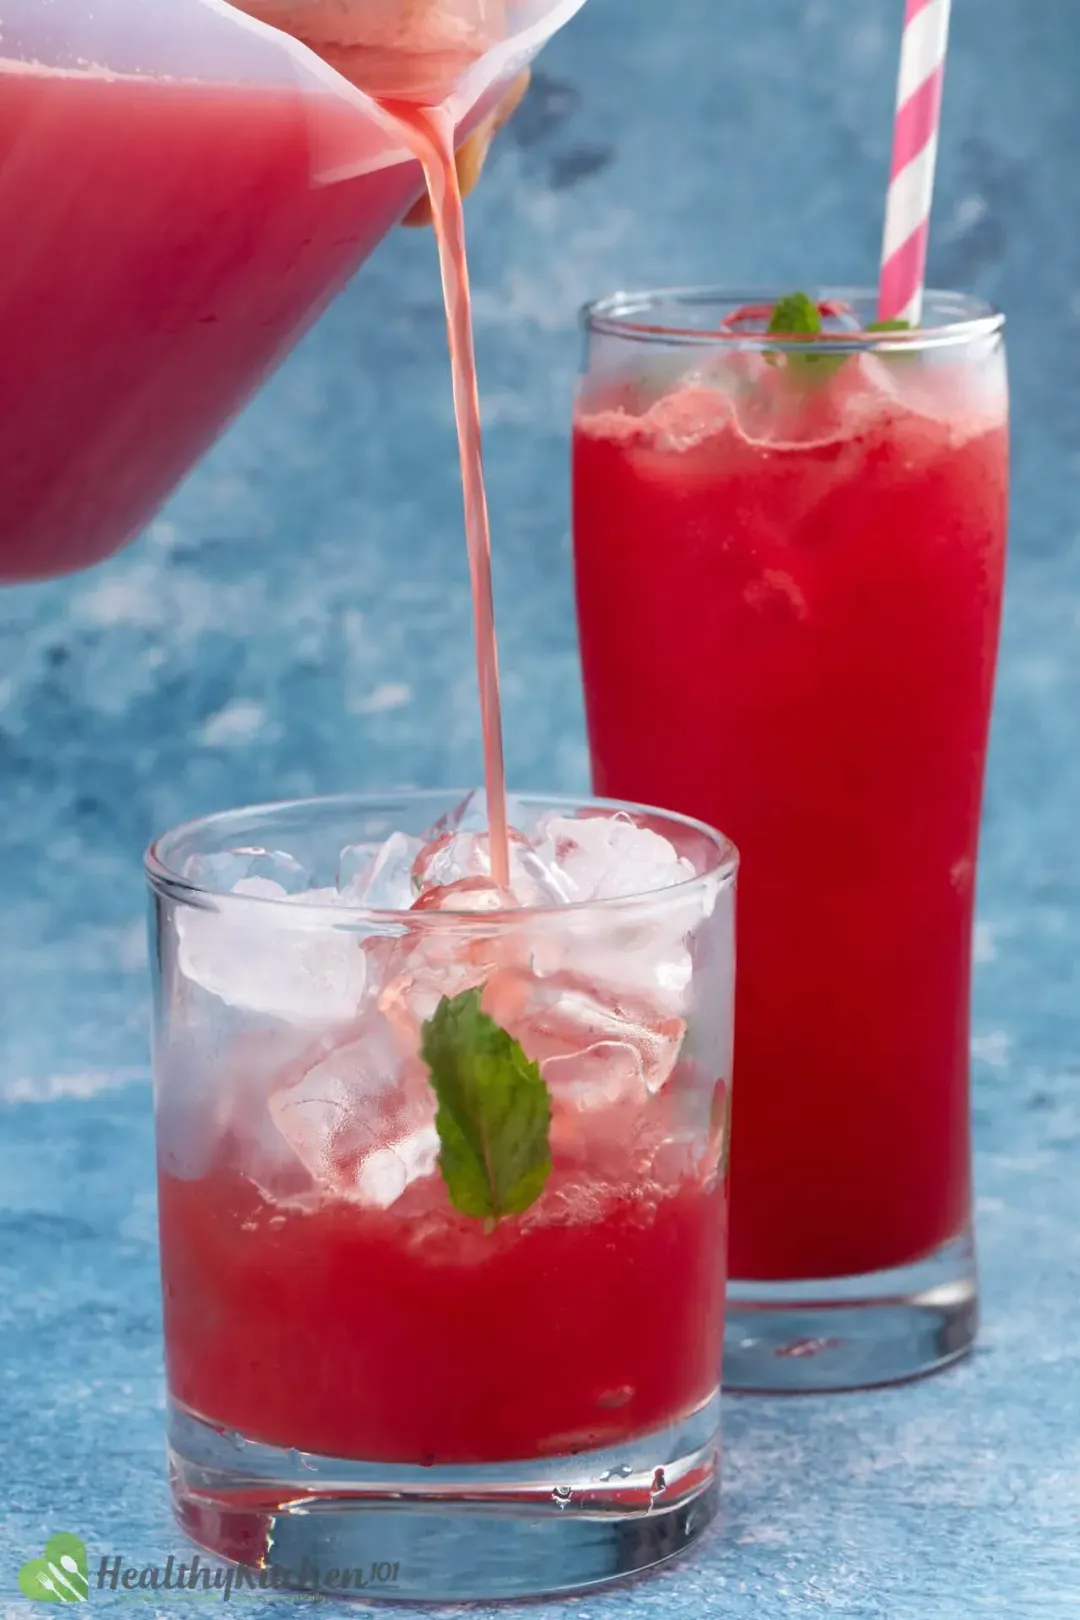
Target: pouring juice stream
[(408, 58), (431, 135)]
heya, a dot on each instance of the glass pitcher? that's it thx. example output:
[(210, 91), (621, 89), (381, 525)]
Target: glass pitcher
[(184, 189)]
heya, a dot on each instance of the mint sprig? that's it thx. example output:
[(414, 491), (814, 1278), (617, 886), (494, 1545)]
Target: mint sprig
[(798, 316), (794, 316), (494, 1115)]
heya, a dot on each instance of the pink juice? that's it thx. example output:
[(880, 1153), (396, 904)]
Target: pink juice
[(315, 1328), (431, 136), (173, 240), (789, 591)]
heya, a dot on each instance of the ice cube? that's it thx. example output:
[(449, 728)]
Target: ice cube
[(245, 1071), (456, 856), (361, 1120), (468, 894), (459, 846), (224, 871), (379, 876), (471, 815), (688, 417), (604, 1061), (388, 1172), (641, 964), (259, 959), (602, 1076), (781, 413), (690, 1126), (612, 857), (427, 964), (561, 1019), (608, 857), (451, 857), (636, 967)]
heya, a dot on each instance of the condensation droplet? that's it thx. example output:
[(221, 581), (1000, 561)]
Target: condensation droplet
[(562, 1494), (659, 1483)]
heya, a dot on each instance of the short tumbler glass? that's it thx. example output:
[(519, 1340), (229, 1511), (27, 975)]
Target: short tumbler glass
[(366, 1386), (789, 557)]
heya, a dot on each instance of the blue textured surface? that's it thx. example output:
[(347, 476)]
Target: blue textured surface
[(298, 621)]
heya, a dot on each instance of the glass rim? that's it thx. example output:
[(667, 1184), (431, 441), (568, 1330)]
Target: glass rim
[(969, 319), (168, 882)]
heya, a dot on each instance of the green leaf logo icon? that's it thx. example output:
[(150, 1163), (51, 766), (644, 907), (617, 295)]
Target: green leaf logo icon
[(59, 1576)]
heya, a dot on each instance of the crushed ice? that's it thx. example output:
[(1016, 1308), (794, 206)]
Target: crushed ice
[(599, 1004)]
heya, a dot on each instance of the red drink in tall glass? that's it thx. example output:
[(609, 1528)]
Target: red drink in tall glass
[(789, 575)]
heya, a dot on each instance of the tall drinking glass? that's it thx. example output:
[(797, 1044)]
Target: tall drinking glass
[(442, 1187), (789, 560)]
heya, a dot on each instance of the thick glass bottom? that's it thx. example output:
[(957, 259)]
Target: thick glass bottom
[(525, 1529), (853, 1332)]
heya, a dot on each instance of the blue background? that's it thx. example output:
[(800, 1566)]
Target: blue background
[(297, 620)]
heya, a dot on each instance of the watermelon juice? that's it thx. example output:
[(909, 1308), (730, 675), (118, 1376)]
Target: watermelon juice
[(442, 1168), (789, 577), (313, 1327), (174, 240)]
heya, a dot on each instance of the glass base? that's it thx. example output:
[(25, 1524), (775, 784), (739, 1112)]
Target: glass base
[(852, 1332), (529, 1529)]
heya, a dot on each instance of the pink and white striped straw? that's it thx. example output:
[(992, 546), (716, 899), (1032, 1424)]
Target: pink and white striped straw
[(915, 142)]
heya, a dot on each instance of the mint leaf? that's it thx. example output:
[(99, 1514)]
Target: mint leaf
[(794, 316), (494, 1116), (798, 316), (900, 354)]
